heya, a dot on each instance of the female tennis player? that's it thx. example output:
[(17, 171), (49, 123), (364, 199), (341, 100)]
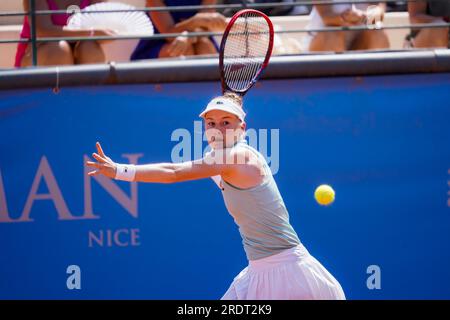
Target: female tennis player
[(279, 265)]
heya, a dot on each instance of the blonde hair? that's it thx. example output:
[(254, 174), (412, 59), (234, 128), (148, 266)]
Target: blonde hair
[(234, 97)]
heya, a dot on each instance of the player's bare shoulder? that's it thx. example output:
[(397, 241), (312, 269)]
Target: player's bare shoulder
[(246, 159), (245, 168)]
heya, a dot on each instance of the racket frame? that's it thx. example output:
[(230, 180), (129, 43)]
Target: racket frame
[(233, 19)]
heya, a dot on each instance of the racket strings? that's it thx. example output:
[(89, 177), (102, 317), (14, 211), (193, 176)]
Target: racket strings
[(245, 50), (247, 55)]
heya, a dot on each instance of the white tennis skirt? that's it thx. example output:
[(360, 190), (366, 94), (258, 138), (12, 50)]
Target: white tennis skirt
[(289, 275)]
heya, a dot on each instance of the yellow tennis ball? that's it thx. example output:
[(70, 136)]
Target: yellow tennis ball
[(324, 194)]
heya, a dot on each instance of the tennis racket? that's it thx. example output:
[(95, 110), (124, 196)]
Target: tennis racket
[(245, 50)]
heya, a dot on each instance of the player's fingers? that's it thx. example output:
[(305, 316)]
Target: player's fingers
[(99, 149), (98, 158), (93, 173), (93, 164)]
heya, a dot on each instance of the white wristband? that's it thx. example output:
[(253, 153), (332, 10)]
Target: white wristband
[(125, 172)]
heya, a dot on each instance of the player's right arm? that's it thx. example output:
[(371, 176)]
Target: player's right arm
[(162, 172), (238, 167)]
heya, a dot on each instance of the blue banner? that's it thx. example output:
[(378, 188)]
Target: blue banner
[(381, 142)]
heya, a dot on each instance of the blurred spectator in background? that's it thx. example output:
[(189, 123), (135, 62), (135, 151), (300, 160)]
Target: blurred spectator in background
[(62, 52), (432, 11), (397, 6), (286, 7), (181, 22), (345, 15)]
